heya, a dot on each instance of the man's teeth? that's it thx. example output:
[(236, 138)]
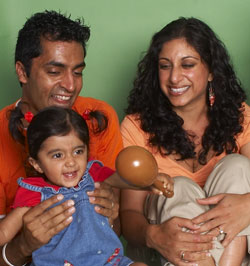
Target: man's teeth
[(63, 98), (179, 90)]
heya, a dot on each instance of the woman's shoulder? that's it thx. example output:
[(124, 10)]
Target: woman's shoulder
[(246, 109), (132, 132), (246, 113), (131, 119)]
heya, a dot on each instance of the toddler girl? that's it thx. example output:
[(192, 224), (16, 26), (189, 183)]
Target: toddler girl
[(58, 142)]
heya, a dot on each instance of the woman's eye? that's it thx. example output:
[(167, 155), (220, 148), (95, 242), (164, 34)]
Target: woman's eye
[(188, 65), (165, 66)]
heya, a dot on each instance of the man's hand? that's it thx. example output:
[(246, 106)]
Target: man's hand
[(41, 224), (106, 201)]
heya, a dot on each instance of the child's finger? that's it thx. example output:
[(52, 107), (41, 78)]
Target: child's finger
[(160, 186)]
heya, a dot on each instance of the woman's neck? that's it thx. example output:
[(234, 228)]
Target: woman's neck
[(195, 118)]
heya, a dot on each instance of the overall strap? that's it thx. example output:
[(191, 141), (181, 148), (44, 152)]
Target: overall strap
[(28, 186)]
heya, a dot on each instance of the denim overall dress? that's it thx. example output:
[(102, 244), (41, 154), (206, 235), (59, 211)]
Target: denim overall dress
[(88, 240)]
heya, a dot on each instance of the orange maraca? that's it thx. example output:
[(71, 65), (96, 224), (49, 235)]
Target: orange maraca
[(138, 167)]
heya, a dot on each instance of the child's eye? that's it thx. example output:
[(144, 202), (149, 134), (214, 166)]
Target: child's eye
[(79, 151), (57, 155)]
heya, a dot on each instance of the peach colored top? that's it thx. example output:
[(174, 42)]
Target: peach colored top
[(133, 135)]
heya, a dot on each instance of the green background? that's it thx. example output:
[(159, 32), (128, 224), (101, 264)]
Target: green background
[(120, 33)]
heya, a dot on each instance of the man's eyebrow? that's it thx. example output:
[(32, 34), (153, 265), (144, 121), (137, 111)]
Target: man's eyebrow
[(58, 64), (83, 64)]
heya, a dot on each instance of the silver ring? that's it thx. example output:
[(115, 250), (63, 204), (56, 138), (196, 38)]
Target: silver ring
[(182, 255), (221, 231)]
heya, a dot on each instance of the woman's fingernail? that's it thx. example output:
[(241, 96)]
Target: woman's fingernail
[(197, 226), (90, 193)]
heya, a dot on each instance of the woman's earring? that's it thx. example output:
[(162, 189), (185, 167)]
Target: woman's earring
[(211, 95)]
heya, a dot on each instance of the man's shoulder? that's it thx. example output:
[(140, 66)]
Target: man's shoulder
[(4, 112), (83, 103)]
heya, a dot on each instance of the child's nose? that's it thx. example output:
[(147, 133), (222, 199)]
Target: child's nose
[(70, 161)]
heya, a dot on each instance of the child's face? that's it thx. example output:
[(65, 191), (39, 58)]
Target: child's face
[(63, 159)]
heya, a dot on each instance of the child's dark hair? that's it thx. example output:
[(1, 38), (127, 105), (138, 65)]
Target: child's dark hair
[(56, 121), (98, 119)]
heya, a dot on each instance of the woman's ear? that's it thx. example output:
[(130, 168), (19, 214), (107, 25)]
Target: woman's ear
[(21, 72), (210, 77), (35, 164)]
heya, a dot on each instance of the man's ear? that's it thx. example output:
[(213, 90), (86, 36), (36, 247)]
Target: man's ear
[(21, 72), (36, 165)]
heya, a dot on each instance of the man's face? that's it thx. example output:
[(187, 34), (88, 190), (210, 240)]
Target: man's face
[(55, 76)]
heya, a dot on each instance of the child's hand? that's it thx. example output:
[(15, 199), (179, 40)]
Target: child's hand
[(163, 185)]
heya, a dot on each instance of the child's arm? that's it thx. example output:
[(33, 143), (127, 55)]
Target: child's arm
[(116, 181), (11, 224)]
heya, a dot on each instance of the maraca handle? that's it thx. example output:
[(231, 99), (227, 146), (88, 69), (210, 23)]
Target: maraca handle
[(159, 185)]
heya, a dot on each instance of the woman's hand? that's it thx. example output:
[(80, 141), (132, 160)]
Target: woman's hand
[(229, 215), (106, 201), (171, 241)]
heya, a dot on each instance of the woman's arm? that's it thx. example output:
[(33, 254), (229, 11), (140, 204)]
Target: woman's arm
[(11, 224), (167, 238), (39, 226)]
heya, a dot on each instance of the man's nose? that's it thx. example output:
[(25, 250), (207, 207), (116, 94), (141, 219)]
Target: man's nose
[(67, 82)]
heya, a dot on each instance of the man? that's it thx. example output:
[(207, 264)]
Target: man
[(49, 61)]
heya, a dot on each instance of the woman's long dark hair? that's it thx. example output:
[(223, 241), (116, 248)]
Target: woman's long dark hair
[(155, 111)]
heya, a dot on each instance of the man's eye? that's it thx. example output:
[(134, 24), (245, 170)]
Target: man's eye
[(78, 73), (53, 72)]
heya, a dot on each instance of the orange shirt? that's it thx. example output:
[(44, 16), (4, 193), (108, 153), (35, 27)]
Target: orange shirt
[(133, 135), (103, 147)]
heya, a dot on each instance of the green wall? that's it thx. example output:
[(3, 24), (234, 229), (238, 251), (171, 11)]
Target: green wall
[(121, 31)]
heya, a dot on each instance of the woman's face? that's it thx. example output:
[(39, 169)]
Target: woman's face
[(183, 76)]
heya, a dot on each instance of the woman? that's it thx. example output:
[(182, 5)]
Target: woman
[(187, 108)]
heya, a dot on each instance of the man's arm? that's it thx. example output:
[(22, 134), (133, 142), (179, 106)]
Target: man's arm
[(39, 226)]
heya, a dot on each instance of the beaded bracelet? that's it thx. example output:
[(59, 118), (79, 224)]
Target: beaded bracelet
[(4, 256)]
